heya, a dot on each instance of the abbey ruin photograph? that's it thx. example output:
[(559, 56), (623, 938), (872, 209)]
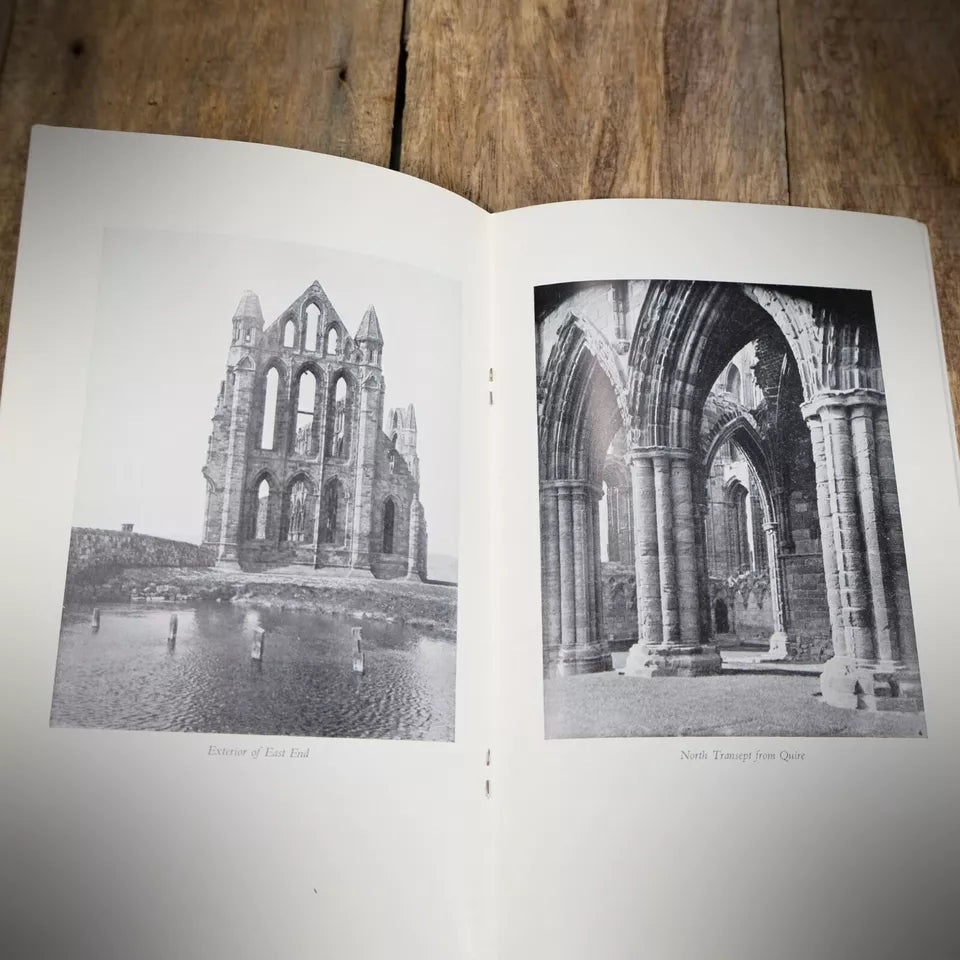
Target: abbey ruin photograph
[(265, 529), (721, 542)]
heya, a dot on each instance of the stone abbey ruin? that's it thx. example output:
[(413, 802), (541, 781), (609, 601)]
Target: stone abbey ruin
[(716, 466), (301, 466)]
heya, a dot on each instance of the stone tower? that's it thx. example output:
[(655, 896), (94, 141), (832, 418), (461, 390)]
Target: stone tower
[(299, 469)]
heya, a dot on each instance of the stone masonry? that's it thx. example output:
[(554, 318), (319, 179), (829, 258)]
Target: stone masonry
[(301, 466)]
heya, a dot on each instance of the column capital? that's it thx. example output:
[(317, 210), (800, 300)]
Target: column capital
[(572, 486), (840, 399), (653, 453)]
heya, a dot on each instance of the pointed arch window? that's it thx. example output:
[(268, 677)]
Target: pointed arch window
[(338, 419), (299, 530), (389, 519), (304, 439), (332, 344), (271, 388), (313, 323), (332, 514), (261, 516), (734, 387), (289, 333)]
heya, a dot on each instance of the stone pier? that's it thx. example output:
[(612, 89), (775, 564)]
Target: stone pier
[(672, 642), (874, 665)]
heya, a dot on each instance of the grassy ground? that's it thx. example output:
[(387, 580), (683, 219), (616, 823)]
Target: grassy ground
[(610, 705), (418, 604)]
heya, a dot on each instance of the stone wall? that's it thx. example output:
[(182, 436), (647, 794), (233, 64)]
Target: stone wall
[(619, 604), (95, 553)]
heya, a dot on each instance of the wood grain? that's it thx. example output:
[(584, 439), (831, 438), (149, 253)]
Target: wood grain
[(303, 73), (873, 122), (515, 103)]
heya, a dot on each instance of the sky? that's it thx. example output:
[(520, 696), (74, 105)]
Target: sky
[(159, 353)]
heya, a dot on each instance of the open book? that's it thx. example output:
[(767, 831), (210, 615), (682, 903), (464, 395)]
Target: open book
[(387, 578)]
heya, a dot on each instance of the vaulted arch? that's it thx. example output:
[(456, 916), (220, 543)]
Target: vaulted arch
[(583, 405)]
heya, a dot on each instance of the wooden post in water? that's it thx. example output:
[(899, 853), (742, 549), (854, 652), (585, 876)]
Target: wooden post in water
[(358, 664), (172, 635), (95, 621), (256, 651)]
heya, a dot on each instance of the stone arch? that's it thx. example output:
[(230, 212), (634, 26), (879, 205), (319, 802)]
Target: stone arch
[(831, 333), (390, 525), (733, 383), (261, 520), (340, 413), (305, 418), (333, 513), (269, 412), (299, 509), (311, 321), (581, 413), (334, 338)]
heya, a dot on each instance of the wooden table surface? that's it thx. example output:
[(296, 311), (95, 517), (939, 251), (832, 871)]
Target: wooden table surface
[(833, 103)]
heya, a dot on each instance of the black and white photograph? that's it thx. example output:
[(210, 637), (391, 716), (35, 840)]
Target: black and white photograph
[(722, 551), (264, 535)]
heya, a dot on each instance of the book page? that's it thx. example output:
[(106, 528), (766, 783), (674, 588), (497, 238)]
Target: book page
[(245, 572), (726, 561)]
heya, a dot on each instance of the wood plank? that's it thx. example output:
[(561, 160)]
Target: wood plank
[(873, 122), (512, 103), (303, 73)]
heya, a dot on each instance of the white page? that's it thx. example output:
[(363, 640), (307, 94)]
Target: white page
[(620, 847), (126, 843)]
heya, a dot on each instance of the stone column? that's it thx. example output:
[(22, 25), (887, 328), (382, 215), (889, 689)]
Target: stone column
[(586, 655), (830, 573), (413, 545), (896, 552), (646, 550), (613, 524), (235, 467), (550, 572), (779, 642), (874, 664), (568, 626), (365, 453), (666, 551), (700, 529)]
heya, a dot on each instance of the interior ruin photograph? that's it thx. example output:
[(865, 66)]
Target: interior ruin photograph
[(721, 542)]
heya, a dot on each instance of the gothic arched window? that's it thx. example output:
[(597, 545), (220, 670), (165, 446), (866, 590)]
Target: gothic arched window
[(332, 519), (721, 617), (313, 321), (332, 346), (262, 515), (303, 442), (289, 333), (270, 389), (389, 515), (338, 420), (299, 530), (733, 383)]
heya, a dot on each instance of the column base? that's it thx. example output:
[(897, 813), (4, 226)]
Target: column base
[(360, 573), (594, 658), (871, 685), (229, 564), (780, 648), (673, 660), (416, 577)]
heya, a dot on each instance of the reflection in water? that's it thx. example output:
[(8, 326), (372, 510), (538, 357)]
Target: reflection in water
[(126, 675)]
